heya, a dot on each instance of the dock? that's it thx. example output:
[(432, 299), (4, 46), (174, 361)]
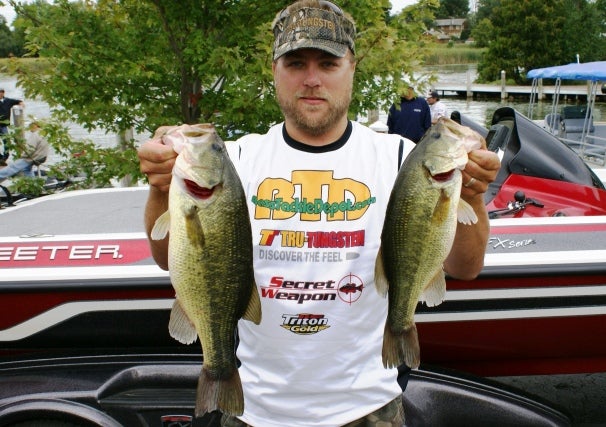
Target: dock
[(504, 91)]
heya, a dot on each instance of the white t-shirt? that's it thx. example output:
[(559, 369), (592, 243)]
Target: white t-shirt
[(317, 216)]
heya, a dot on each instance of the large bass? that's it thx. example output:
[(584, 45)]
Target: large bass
[(418, 233), (210, 261)]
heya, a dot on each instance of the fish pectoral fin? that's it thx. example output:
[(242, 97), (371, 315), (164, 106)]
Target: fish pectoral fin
[(381, 283), (179, 325), (161, 227), (193, 227), (253, 310), (435, 291), (465, 213)]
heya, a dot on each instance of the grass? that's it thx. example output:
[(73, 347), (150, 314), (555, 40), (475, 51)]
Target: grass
[(453, 53), (29, 65)]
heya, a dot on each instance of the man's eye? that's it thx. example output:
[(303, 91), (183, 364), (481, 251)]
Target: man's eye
[(294, 64), (329, 64)]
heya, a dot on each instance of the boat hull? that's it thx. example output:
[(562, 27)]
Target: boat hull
[(537, 307)]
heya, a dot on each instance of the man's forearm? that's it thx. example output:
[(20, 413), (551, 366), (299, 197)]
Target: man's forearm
[(466, 258), (157, 204)]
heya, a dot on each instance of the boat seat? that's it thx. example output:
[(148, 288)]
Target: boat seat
[(573, 120), (576, 126)]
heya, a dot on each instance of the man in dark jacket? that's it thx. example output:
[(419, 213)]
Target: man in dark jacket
[(412, 119), (6, 104)]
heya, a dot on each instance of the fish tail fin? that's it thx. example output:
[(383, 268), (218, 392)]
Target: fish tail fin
[(435, 292), (465, 213), (253, 310), (381, 283), (179, 325), (161, 227), (401, 348), (223, 394)]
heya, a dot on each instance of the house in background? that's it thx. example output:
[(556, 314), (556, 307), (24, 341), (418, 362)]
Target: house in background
[(449, 28), (438, 36)]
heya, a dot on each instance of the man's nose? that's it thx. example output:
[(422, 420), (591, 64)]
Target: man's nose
[(312, 77)]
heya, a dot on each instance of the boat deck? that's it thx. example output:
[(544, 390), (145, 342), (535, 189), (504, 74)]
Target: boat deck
[(98, 211), (588, 141), (591, 146)]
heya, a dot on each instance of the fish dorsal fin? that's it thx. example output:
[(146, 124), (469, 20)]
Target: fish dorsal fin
[(381, 283), (253, 310), (465, 213), (435, 291), (161, 227), (193, 228), (179, 325)]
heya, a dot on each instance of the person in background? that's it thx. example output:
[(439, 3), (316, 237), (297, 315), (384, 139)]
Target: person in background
[(411, 118), (334, 376), (33, 152), (6, 104), (437, 107)]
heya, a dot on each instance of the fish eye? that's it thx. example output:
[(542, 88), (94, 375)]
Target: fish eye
[(217, 147)]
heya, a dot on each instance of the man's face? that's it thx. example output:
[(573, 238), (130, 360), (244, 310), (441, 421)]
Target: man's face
[(1, 94), (431, 100), (409, 93), (313, 88)]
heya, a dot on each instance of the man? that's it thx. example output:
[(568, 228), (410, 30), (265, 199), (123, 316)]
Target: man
[(411, 118), (6, 104), (333, 376), (437, 107), (33, 152)]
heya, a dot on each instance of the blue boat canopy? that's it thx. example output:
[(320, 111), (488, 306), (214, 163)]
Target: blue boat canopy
[(595, 71)]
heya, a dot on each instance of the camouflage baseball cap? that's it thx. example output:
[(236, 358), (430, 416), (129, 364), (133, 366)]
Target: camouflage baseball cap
[(316, 24)]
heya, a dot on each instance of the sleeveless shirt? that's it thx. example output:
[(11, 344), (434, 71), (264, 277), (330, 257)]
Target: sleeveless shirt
[(317, 215)]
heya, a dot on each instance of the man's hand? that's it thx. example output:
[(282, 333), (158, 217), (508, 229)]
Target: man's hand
[(156, 161), (481, 170)]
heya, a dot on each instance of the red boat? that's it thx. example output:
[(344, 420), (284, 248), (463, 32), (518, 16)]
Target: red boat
[(80, 293), (540, 301)]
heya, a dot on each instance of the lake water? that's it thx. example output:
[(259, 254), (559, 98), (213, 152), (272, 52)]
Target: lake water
[(35, 108), (480, 111)]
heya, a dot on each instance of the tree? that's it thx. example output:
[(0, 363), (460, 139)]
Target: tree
[(453, 9), (584, 31), (522, 35), (10, 42), (485, 8), (145, 63)]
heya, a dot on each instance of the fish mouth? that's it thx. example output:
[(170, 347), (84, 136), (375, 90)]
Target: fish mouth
[(443, 176), (197, 191)]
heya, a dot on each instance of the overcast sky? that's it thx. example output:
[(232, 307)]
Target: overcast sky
[(397, 5), (8, 13)]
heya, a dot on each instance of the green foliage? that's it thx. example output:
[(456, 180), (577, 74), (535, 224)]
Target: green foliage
[(81, 162), (145, 63), (93, 166), (156, 62), (522, 35), (483, 32), (29, 65), (379, 82), (31, 187), (11, 43), (584, 32), (453, 9)]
